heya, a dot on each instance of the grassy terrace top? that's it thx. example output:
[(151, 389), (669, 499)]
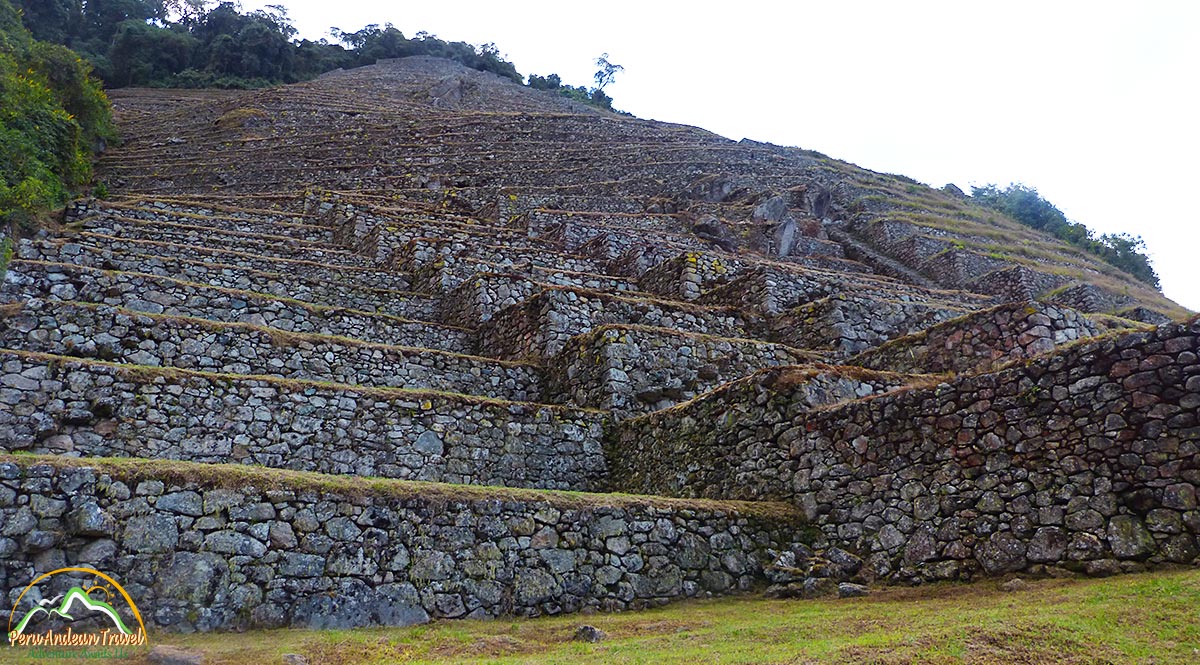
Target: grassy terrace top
[(242, 477), (1148, 618)]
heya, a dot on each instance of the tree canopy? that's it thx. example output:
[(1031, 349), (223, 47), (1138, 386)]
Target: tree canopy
[(54, 115), (200, 43), (1025, 205)]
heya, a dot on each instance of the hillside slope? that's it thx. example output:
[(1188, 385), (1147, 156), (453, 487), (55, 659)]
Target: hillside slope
[(412, 342), (421, 123)]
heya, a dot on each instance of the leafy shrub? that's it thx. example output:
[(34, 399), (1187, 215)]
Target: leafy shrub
[(53, 117), (594, 97)]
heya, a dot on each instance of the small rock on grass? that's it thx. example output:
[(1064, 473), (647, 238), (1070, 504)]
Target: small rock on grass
[(587, 633), (1015, 584), (165, 655), (294, 659), (851, 590)]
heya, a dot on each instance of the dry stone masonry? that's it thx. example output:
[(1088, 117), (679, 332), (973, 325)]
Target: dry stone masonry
[(336, 367)]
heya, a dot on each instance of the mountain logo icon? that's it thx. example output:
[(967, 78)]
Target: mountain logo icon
[(112, 618)]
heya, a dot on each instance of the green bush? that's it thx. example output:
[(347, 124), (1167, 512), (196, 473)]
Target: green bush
[(52, 118), (1025, 205)]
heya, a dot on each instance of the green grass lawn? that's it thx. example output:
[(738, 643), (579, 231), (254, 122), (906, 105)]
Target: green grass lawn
[(1146, 618)]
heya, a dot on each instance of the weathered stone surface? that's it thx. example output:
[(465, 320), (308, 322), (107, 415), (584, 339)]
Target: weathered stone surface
[(337, 559), (663, 275), (1056, 462), (212, 418)]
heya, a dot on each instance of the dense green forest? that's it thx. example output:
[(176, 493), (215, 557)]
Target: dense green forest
[(194, 43), (1028, 207), (52, 119), (201, 44)]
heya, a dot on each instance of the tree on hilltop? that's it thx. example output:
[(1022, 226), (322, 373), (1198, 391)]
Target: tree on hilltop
[(607, 72)]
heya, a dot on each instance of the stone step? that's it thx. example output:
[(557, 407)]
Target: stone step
[(102, 332), (539, 326), (632, 370), (317, 291), (63, 405), (192, 217), (847, 324), (211, 547), (366, 277), (261, 245), (981, 341), (162, 295)]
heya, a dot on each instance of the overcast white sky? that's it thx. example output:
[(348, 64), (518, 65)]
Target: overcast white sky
[(1096, 104)]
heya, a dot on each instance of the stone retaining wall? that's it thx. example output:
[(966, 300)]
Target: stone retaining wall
[(363, 277), (540, 326), (1087, 458), (59, 405), (1090, 298), (632, 370), (686, 276), (482, 295), (959, 268), (108, 333), (286, 285), (250, 244), (198, 552), (161, 295), (722, 444), (981, 340), (1018, 283), (847, 324), (295, 227)]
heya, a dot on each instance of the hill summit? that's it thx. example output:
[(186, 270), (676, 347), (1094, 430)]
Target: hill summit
[(333, 351)]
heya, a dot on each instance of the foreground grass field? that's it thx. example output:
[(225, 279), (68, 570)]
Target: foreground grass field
[(1147, 618)]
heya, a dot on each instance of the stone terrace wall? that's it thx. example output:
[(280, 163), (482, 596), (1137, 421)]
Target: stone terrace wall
[(540, 326), (1090, 298), (981, 340), (632, 370), (686, 276), (265, 246), (87, 252), (723, 443), (285, 285), (161, 295), (1018, 283), (1088, 458), (482, 295), (846, 324), (205, 555), (108, 333), (56, 405)]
